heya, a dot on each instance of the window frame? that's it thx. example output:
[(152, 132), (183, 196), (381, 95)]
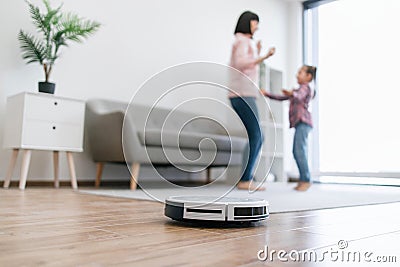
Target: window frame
[(310, 56)]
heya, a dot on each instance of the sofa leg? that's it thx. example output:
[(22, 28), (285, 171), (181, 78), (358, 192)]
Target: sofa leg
[(99, 172), (208, 176), (134, 175)]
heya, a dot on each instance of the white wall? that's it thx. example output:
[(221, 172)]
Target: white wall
[(137, 39)]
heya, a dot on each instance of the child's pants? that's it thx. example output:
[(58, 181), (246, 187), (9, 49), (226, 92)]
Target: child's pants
[(300, 150)]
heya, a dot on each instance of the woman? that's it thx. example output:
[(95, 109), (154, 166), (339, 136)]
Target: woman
[(243, 94)]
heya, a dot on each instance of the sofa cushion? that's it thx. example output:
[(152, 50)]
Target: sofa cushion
[(153, 137)]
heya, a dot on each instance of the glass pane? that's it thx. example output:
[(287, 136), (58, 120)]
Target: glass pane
[(359, 54)]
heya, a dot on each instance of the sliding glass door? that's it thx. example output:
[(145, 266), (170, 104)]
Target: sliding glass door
[(356, 46)]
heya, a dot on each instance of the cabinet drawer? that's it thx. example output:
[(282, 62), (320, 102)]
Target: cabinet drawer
[(54, 109), (52, 136)]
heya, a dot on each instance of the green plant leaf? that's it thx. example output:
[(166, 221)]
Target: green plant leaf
[(33, 50), (47, 5), (37, 17), (76, 29), (52, 17)]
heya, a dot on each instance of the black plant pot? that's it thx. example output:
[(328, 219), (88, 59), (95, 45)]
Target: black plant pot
[(45, 87)]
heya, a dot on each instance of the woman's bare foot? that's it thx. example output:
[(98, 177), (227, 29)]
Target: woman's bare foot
[(302, 186), (250, 185)]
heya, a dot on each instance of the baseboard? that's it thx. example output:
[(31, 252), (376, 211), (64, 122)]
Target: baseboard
[(293, 180), (110, 183), (68, 183), (113, 183)]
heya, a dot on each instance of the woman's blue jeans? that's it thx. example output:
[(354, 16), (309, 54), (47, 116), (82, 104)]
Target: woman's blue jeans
[(246, 108), (300, 150)]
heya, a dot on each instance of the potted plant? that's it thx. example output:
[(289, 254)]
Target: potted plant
[(57, 29)]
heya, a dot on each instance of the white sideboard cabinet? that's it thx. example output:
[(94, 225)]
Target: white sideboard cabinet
[(38, 121)]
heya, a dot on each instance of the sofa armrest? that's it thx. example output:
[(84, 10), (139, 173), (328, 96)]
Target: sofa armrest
[(105, 137), (133, 149)]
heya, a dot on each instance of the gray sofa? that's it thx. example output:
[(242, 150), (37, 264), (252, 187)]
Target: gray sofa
[(179, 143)]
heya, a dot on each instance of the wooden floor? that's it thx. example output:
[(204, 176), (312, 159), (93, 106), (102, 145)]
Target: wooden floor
[(60, 227)]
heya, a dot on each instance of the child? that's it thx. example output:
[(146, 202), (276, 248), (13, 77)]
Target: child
[(300, 119)]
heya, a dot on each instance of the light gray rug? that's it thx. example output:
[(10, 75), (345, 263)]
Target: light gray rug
[(281, 196)]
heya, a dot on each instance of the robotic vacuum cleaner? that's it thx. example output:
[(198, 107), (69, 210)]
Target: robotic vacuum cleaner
[(205, 208)]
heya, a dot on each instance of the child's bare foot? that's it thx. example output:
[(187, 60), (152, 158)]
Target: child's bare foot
[(250, 185), (302, 186)]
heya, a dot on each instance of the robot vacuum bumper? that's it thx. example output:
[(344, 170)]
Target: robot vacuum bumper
[(205, 208)]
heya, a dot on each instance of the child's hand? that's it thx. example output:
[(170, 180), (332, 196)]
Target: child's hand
[(264, 93), (287, 93)]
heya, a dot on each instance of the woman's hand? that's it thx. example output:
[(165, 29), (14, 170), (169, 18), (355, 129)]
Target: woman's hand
[(287, 93), (271, 52), (259, 46)]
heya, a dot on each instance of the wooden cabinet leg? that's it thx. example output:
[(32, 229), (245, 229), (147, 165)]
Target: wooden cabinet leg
[(208, 175), (26, 159), (71, 166), (56, 169), (99, 172), (134, 175), (11, 167)]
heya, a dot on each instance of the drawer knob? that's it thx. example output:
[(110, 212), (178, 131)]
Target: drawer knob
[(54, 127), (55, 103)]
